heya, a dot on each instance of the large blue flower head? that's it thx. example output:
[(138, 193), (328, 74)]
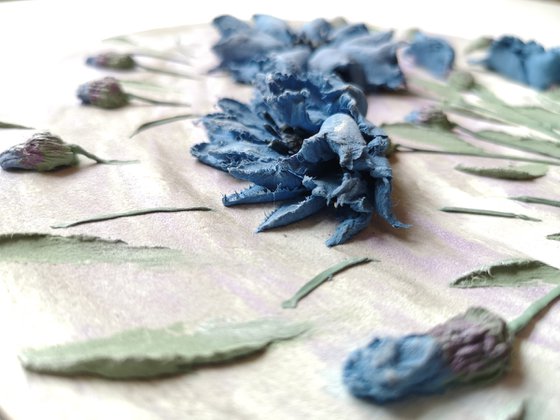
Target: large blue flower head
[(366, 59), (303, 139), (528, 63), (468, 348)]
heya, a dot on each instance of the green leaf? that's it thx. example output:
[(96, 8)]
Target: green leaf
[(41, 248), (321, 278), (163, 121), (10, 125), (554, 237), (493, 213), (518, 173), (527, 144), (143, 352), (132, 213), (443, 140), (510, 273), (536, 200)]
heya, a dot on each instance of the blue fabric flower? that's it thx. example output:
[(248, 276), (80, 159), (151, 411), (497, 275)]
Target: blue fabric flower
[(468, 348), (352, 52), (303, 138), (433, 54), (527, 63)]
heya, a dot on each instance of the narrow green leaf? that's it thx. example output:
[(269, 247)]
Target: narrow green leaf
[(141, 84), (482, 212), (167, 72), (542, 115), (527, 144), (515, 272), (536, 200), (144, 353), (10, 125), (163, 121), (553, 237), (517, 173), (157, 101), (321, 278), (132, 213), (478, 44), (444, 140), (436, 90)]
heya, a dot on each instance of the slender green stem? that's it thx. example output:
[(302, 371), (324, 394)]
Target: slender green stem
[(164, 57), (493, 213), (533, 310), (158, 102), (132, 213), (407, 149), (79, 150), (167, 72), (163, 121)]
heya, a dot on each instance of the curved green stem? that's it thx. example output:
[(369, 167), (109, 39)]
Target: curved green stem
[(533, 310), (167, 72), (81, 151), (156, 101)]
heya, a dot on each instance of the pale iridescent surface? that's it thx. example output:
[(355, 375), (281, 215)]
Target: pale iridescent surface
[(239, 276)]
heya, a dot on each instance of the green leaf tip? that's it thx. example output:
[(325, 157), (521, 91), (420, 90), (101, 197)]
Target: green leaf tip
[(513, 173), (321, 278), (536, 200), (509, 273)]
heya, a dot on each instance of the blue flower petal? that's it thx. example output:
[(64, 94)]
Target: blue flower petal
[(315, 33), (228, 25), (352, 224), (291, 213), (260, 194), (391, 369), (527, 63), (435, 55), (277, 28)]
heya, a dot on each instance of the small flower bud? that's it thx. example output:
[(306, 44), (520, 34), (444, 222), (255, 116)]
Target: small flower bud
[(103, 93), (477, 344), (461, 80), (42, 152), (431, 116), (112, 60)]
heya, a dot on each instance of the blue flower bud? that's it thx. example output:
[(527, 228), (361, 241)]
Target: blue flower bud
[(435, 55), (468, 348)]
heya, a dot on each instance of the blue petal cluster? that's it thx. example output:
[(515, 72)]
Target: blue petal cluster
[(351, 51), (303, 138), (528, 63), (433, 54), (390, 369)]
